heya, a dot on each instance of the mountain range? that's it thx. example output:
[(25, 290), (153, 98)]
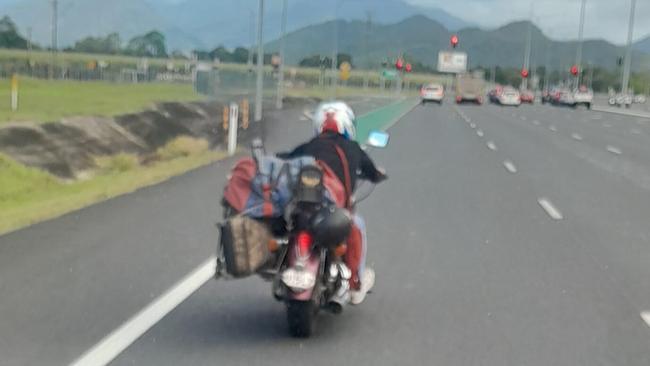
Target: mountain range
[(205, 24), (190, 24), (421, 38)]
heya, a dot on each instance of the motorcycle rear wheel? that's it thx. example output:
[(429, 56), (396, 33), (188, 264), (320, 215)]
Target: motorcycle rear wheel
[(301, 318)]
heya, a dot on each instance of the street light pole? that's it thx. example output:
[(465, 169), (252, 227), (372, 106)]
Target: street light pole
[(524, 82), (283, 41), (335, 49), (260, 62), (628, 51), (55, 36), (580, 42)]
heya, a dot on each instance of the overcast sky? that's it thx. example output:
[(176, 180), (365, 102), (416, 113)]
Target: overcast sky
[(606, 19)]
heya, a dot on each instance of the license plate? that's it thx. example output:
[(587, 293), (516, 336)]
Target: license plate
[(299, 280)]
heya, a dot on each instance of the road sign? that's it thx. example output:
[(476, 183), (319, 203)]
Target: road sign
[(345, 70), (452, 62), (389, 74)]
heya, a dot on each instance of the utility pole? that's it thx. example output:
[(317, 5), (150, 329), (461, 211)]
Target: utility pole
[(524, 82), (628, 51), (580, 42), (366, 34), (283, 41), (260, 62), (547, 65), (55, 36), (251, 32)]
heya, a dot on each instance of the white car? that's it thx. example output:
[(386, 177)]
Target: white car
[(432, 93), (510, 97), (583, 96)]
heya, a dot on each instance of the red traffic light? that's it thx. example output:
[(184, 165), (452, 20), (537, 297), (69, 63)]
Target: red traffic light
[(454, 41), (399, 64), (408, 68), (574, 70), (524, 73)]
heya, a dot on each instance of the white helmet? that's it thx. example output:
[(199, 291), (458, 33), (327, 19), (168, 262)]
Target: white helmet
[(335, 117)]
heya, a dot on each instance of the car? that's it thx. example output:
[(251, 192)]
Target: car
[(583, 96), (565, 98), (510, 96), (432, 93), (527, 96)]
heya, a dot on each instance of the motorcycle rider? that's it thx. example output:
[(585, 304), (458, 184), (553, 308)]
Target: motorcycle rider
[(334, 144)]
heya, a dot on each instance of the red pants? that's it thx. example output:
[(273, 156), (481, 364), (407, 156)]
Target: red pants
[(354, 255)]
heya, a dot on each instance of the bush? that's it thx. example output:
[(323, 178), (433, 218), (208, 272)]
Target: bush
[(117, 163), (183, 146)]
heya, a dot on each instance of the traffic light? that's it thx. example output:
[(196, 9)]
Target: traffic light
[(524, 73), (454, 41), (408, 68), (399, 64), (574, 70)]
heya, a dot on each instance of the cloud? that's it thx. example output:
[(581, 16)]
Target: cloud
[(606, 19)]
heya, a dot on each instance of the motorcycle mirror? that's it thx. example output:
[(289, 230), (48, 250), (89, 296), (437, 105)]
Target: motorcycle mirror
[(378, 139)]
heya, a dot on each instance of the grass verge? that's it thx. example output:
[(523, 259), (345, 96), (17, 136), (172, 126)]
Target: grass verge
[(29, 195), (50, 100)]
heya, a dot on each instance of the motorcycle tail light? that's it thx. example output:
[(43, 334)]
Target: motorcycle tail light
[(304, 240)]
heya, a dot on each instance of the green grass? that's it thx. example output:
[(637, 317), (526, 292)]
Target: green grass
[(45, 100), (29, 195)]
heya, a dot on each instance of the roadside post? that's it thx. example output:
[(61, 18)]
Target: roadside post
[(14, 92), (232, 128)]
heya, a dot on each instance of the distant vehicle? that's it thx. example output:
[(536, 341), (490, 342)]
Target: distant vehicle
[(565, 97), (527, 96), (510, 96), (583, 96), (469, 88), (493, 94), (547, 96), (639, 98), (432, 93)]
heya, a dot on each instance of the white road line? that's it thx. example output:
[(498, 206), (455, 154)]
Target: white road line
[(614, 150), (121, 338), (577, 137), (479, 133), (491, 146), (536, 122), (510, 166), (553, 212), (634, 131), (646, 317), (552, 128), (597, 117), (473, 125)]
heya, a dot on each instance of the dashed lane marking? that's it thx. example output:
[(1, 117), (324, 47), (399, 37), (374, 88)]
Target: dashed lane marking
[(614, 150), (550, 209), (491, 146), (577, 137), (480, 133), (510, 166)]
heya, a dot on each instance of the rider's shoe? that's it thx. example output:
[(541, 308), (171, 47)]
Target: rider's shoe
[(367, 282)]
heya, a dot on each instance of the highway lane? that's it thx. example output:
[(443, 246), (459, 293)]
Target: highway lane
[(67, 282), (527, 253), (607, 203)]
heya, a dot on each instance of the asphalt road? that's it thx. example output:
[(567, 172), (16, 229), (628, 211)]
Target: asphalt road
[(505, 236)]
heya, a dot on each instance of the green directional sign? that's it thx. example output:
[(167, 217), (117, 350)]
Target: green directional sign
[(389, 74)]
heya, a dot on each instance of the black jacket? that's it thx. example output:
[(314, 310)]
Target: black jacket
[(322, 148)]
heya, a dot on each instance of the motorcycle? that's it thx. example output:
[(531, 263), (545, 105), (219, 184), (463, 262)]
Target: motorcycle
[(307, 270)]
